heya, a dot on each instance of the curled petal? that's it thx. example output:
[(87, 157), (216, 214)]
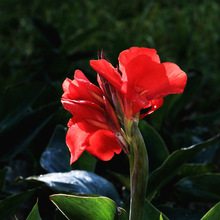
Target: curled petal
[(103, 145), (154, 104), (66, 84), (81, 89), (177, 78), (104, 68), (79, 75)]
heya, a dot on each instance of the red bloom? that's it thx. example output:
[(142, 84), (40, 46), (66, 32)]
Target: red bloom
[(141, 80), (89, 128)]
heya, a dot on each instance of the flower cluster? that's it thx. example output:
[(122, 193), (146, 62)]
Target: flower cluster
[(139, 82)]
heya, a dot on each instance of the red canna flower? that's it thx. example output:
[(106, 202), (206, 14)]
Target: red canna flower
[(92, 127), (141, 80)]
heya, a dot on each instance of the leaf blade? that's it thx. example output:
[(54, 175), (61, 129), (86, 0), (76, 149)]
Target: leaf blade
[(171, 166), (83, 207)]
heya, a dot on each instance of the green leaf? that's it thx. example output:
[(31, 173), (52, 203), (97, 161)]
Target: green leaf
[(34, 214), (79, 182), (171, 166), (156, 147), (199, 188), (213, 213), (84, 207), (151, 212), (193, 169), (207, 155), (56, 157), (9, 205)]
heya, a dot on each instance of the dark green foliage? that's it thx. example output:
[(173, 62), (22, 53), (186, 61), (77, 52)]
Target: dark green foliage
[(34, 214), (76, 207), (42, 43)]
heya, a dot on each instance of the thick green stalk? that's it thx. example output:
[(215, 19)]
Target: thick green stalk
[(138, 173)]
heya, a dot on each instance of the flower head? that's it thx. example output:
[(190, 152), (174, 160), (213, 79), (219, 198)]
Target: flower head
[(89, 128), (139, 82), (141, 79)]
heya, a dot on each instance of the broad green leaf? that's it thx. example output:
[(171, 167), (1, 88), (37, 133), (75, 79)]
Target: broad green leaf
[(34, 214), (192, 169), (56, 157), (202, 188), (156, 147), (84, 207), (207, 155), (79, 182), (3, 173), (213, 213), (171, 166), (9, 205), (151, 212)]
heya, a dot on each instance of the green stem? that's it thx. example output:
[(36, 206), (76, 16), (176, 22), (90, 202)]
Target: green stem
[(138, 159)]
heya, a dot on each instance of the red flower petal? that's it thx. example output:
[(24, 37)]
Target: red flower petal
[(104, 68), (154, 104), (177, 78), (152, 80), (81, 89), (103, 145), (111, 115), (82, 110), (127, 55), (79, 75), (75, 140), (66, 84)]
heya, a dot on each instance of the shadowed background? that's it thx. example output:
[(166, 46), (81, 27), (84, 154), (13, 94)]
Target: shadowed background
[(42, 42)]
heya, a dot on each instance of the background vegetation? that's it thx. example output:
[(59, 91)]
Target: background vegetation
[(42, 42)]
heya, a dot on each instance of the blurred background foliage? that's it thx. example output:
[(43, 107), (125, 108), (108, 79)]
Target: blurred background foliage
[(42, 42)]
